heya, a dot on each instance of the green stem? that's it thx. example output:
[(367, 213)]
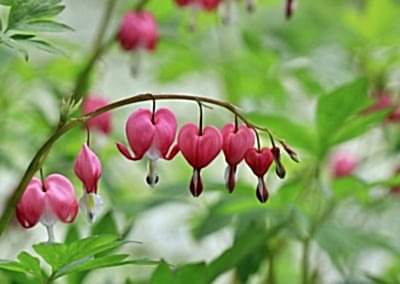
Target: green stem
[(41, 155), (98, 48), (305, 261)]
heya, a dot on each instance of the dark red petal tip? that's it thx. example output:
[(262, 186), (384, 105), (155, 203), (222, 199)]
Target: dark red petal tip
[(196, 184)]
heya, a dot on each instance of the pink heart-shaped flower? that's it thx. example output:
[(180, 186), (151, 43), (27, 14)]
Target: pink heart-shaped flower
[(198, 149)]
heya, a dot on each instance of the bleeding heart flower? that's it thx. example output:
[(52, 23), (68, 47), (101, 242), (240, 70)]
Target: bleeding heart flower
[(151, 135), (199, 150), (260, 161), (236, 142), (138, 29), (88, 169), (47, 202), (102, 122), (343, 164), (208, 5)]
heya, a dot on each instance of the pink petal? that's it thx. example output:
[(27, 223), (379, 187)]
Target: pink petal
[(88, 168), (236, 144), (140, 132), (31, 205), (165, 130), (61, 197), (129, 31), (259, 161), (149, 31), (198, 150), (210, 5), (125, 151), (101, 122)]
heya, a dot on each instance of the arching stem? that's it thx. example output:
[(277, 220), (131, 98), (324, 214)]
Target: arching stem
[(41, 155)]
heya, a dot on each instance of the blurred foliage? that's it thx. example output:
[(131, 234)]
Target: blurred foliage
[(308, 79)]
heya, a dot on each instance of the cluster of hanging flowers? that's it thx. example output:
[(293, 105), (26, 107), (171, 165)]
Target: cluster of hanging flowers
[(138, 29), (152, 135)]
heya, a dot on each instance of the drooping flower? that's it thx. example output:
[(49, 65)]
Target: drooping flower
[(208, 5), (342, 164), (88, 169), (260, 160), (101, 122), (150, 134), (47, 202), (138, 29), (199, 148), (236, 142)]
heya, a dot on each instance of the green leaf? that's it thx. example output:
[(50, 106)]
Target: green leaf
[(334, 109), (12, 266), (351, 187), (162, 274), (92, 263), (58, 255), (4, 16), (106, 225), (294, 133), (24, 11), (45, 46), (31, 264), (358, 126), (44, 26)]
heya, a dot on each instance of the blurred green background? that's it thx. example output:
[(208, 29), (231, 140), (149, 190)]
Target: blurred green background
[(307, 79)]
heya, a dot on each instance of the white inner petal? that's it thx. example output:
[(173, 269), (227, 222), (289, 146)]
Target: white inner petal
[(48, 217), (91, 204)]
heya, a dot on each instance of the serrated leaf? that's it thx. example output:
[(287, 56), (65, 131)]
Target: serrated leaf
[(58, 255), (23, 11), (31, 264)]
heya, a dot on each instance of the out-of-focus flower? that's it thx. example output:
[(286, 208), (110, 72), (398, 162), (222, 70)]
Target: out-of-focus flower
[(343, 164), (208, 5), (138, 29), (101, 122)]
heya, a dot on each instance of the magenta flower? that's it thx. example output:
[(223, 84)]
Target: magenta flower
[(138, 29), (236, 142), (88, 169), (199, 149), (48, 202), (102, 122), (260, 160), (208, 5), (151, 135), (343, 164)]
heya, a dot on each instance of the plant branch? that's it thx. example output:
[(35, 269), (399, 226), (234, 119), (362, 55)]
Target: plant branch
[(98, 48), (42, 153)]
